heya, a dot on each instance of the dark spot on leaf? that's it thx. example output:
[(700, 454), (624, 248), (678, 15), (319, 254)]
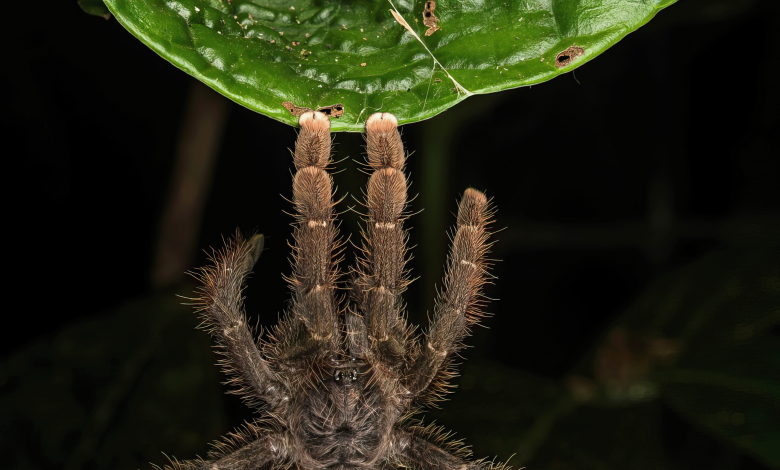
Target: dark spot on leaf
[(334, 110), (296, 111), (429, 18), (568, 56)]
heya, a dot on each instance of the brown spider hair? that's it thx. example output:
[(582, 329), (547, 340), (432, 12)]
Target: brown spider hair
[(337, 380)]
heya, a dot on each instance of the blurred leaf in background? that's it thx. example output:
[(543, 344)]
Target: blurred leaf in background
[(701, 341), (140, 373), (95, 7)]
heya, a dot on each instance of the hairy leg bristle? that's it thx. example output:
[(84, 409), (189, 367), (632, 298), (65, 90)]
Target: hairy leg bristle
[(312, 324), (460, 302), (313, 146), (383, 142)]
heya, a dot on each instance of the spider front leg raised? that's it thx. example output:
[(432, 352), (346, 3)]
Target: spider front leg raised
[(340, 401), (313, 324), (382, 277), (221, 307), (459, 304)]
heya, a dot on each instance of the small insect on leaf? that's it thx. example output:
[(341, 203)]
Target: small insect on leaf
[(429, 18)]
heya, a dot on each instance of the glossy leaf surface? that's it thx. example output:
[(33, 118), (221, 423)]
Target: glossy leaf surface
[(94, 7), (313, 53)]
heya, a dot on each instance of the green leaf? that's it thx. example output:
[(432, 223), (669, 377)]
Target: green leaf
[(734, 392), (95, 7), (261, 53)]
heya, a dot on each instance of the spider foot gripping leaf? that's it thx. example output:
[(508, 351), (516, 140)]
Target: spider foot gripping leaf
[(335, 385)]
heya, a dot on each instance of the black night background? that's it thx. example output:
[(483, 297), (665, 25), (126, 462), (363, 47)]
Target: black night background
[(638, 290)]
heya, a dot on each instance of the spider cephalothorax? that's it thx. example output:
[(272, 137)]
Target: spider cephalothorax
[(335, 385)]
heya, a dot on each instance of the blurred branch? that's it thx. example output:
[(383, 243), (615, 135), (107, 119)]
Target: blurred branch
[(196, 153), (538, 433)]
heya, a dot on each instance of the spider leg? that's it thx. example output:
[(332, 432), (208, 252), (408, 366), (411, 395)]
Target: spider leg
[(459, 303), (264, 452), (414, 451), (312, 323), (381, 275), (220, 305)]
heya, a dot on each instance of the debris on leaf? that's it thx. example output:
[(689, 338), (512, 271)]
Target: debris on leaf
[(568, 56), (334, 110), (429, 18), (296, 111)]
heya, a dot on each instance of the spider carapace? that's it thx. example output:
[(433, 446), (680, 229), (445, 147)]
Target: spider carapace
[(336, 383)]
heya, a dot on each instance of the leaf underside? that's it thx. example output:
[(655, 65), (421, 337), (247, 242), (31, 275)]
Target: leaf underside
[(315, 53), (94, 7)]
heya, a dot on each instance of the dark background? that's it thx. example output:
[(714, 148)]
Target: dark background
[(657, 158)]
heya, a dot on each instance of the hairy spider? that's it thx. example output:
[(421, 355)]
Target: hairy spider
[(336, 387)]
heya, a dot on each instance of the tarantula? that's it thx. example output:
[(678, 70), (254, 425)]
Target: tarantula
[(335, 386)]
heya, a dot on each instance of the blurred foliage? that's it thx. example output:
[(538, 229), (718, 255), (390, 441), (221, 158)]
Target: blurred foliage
[(107, 392), (701, 341), (261, 53)]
